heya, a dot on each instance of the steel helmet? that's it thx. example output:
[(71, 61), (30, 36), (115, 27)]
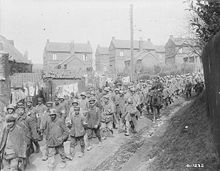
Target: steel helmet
[(11, 106), (53, 112)]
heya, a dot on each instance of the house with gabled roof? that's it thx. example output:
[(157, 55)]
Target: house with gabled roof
[(18, 62), (119, 51), (102, 59), (69, 56), (179, 53)]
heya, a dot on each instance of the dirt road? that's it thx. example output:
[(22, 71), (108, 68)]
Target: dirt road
[(113, 154)]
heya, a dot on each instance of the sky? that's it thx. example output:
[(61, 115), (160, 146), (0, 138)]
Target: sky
[(31, 22)]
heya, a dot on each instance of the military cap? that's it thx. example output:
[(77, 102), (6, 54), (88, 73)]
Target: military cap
[(106, 97), (53, 112), (39, 99), (10, 118), (20, 106), (75, 101), (77, 108), (92, 99), (49, 103), (83, 94), (11, 106), (116, 89)]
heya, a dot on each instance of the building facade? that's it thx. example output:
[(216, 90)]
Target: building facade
[(102, 60), (18, 63), (119, 51), (67, 56), (179, 54)]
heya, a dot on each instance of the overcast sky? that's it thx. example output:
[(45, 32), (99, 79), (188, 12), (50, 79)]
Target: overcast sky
[(31, 22)]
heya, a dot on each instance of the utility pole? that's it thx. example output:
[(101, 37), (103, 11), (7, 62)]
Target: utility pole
[(132, 45)]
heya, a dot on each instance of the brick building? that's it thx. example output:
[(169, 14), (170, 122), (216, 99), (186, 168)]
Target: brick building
[(179, 54), (119, 51), (67, 56), (18, 63), (102, 59)]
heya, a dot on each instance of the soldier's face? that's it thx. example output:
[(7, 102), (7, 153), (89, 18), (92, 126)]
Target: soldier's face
[(53, 117), (20, 111), (10, 111), (39, 102)]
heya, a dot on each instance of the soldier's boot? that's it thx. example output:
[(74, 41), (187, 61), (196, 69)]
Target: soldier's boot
[(45, 154), (71, 154), (89, 145), (82, 151)]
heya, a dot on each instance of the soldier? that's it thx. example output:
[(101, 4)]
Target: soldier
[(136, 100), (56, 134), (43, 124), (64, 108), (10, 109), (116, 114), (130, 117), (188, 89), (13, 146), (77, 132), (40, 109), (33, 122), (23, 122), (83, 103), (93, 120), (107, 116)]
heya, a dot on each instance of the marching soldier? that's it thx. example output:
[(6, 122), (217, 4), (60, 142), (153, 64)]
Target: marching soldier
[(13, 146), (23, 122), (56, 134), (107, 116), (77, 132), (93, 122), (130, 117)]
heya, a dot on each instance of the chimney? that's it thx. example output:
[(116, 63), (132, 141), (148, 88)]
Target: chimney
[(149, 40), (171, 36), (72, 48), (141, 44), (48, 40), (26, 54)]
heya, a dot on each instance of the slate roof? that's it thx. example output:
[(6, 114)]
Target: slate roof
[(102, 50), (125, 44), (7, 46), (18, 79), (66, 47), (60, 73), (58, 47), (179, 41)]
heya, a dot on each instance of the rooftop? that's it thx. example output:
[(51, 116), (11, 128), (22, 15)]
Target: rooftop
[(66, 47), (8, 46)]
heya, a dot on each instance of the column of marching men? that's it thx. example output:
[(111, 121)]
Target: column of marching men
[(94, 114)]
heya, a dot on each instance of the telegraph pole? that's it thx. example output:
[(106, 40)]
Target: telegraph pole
[(132, 45)]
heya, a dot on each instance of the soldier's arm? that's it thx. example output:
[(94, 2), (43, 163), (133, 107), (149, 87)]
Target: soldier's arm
[(65, 130)]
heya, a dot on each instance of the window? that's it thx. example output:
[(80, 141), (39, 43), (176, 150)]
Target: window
[(54, 56), (191, 59), (85, 57), (121, 54), (185, 59)]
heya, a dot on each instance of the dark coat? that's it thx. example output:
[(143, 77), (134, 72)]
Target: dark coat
[(77, 129), (93, 117), (56, 132), (16, 137)]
